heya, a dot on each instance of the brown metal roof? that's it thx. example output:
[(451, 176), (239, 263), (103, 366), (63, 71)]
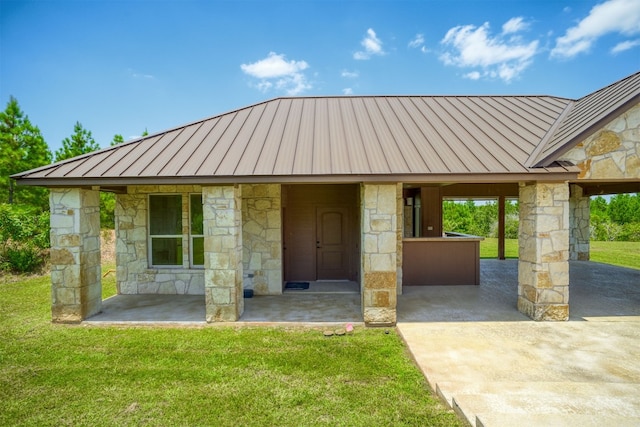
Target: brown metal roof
[(315, 139), (586, 116)]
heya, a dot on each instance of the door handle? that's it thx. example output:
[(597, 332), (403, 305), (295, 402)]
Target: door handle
[(318, 245)]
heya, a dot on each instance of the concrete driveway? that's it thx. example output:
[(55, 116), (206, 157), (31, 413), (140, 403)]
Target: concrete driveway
[(495, 367)]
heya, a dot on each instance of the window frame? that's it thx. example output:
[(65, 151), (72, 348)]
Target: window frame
[(186, 238), (192, 235)]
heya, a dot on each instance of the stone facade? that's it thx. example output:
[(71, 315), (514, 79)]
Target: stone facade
[(543, 267), (611, 153), (262, 238), (76, 288), (133, 273), (399, 236), (222, 212), (380, 232), (579, 223)]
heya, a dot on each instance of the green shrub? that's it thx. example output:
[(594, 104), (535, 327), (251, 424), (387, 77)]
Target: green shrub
[(22, 258), (24, 238)]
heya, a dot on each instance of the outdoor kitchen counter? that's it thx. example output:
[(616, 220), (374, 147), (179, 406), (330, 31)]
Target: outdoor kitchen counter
[(453, 259)]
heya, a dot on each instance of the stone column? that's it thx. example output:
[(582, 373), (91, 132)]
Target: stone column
[(76, 287), (543, 267), (379, 254), (579, 222), (222, 207)]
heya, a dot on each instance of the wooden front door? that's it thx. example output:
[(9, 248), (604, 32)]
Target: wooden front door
[(332, 243), (321, 232)]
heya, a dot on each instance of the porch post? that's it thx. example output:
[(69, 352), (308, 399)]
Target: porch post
[(501, 226), (579, 220), (543, 267), (76, 287), (379, 254), (222, 218)]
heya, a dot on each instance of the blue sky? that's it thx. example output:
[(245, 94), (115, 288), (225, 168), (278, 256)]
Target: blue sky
[(120, 67)]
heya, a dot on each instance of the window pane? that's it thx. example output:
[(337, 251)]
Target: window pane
[(198, 250), (166, 251), (165, 215), (196, 214)]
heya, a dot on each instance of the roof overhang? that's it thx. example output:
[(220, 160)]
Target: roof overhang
[(557, 173)]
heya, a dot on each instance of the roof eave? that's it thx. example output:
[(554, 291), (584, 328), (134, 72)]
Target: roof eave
[(557, 173)]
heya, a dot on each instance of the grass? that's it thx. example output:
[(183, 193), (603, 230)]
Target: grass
[(489, 248), (623, 254), (224, 376)]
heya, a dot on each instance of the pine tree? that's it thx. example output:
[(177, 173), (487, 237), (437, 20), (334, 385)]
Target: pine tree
[(23, 148), (81, 142), (117, 139)]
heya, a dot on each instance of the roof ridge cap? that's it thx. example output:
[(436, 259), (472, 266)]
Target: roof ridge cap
[(532, 161)]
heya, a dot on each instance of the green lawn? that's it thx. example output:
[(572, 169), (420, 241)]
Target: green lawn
[(56, 375), (624, 254), (489, 248)]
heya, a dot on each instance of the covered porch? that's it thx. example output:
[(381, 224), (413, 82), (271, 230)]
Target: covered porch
[(598, 292)]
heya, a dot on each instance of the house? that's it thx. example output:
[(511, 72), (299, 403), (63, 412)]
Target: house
[(340, 188)]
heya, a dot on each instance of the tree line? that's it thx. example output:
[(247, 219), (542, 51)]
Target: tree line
[(614, 219), (24, 210)]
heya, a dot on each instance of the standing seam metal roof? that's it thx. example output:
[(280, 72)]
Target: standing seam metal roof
[(363, 136)]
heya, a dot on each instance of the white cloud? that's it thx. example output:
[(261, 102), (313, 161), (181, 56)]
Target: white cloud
[(142, 76), (504, 55), (418, 41), (347, 91), (372, 46), (514, 25), (474, 75), (349, 74), (275, 71), (613, 16), (625, 45)]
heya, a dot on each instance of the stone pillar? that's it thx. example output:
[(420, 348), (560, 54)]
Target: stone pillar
[(379, 253), (222, 207), (76, 287), (579, 222), (543, 267)]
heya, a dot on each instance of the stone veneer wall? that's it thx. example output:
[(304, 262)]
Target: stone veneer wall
[(379, 253), (543, 267), (76, 287), (579, 223), (262, 238), (611, 153), (133, 274), (222, 212), (399, 235)]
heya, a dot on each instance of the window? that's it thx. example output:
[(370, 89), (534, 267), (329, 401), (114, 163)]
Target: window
[(196, 230), (167, 237)]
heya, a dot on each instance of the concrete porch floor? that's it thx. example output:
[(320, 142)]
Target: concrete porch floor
[(596, 291)]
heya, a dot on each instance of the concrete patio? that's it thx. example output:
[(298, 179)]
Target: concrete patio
[(597, 291)]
